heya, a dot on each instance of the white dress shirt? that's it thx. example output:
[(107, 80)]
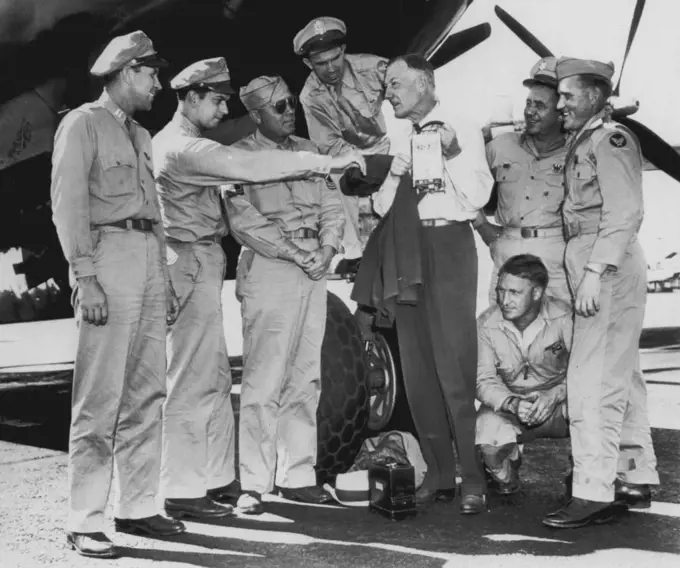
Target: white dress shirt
[(468, 181)]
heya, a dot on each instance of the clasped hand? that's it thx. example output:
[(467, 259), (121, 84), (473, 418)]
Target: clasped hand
[(315, 263)]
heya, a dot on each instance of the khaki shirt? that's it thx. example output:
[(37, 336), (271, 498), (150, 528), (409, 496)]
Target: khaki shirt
[(304, 203), (189, 170), (603, 177), (512, 363), (329, 126), (530, 186), (101, 173)]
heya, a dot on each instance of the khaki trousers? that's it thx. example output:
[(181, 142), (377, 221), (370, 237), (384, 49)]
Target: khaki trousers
[(284, 319), (500, 428), (198, 422), (606, 391), (119, 385)]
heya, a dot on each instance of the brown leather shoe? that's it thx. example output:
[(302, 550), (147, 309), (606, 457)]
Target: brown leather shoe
[(250, 503), (198, 508), (92, 545), (583, 512), (228, 494), (155, 526), (473, 504), (636, 496), (311, 494)]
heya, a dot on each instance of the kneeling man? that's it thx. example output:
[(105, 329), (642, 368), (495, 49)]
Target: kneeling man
[(524, 344)]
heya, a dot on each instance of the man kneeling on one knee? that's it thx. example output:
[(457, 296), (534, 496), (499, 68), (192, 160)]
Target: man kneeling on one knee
[(524, 344)]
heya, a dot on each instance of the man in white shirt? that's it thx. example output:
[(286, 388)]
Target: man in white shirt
[(437, 335)]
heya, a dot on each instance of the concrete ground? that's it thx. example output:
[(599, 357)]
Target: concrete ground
[(33, 485)]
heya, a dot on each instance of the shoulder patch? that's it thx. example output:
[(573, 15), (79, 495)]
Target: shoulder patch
[(618, 140)]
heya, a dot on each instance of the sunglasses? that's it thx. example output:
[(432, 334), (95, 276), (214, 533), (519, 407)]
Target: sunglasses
[(280, 106)]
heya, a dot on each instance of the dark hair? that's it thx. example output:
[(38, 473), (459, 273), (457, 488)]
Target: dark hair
[(417, 62), (597, 82), (183, 93), (526, 266)]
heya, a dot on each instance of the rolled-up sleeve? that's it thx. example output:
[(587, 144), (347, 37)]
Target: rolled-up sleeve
[(469, 170), (491, 390), (71, 163), (205, 162)]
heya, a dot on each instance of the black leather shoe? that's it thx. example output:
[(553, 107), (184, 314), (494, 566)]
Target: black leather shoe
[(636, 496), (250, 503), (150, 526), (473, 504), (582, 512), (199, 508), (228, 494), (426, 496), (92, 545), (311, 494)]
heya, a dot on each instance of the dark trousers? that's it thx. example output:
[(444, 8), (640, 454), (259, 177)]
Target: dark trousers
[(438, 345)]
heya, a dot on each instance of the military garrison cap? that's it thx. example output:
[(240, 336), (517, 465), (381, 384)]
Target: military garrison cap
[(570, 66), (132, 49), (319, 35), (543, 73), (262, 90), (212, 74)]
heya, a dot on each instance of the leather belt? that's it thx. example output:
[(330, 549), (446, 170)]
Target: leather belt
[(440, 222), (214, 239), (131, 224), (302, 234), (575, 228), (532, 232)]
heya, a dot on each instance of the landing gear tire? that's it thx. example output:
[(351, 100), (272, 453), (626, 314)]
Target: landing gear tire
[(343, 412), (400, 417)]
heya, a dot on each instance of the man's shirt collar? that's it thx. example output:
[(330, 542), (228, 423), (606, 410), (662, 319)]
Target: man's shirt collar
[(267, 142), (186, 126), (109, 104)]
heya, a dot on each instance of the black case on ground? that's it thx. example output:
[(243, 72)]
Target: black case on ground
[(392, 490)]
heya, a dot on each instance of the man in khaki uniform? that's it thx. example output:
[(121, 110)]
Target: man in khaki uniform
[(605, 264), (198, 445), (342, 101), (528, 169), (107, 216), (524, 344), (283, 303)]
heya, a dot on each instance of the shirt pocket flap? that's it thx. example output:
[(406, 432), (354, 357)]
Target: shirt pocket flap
[(508, 172), (117, 160), (554, 180), (583, 172)]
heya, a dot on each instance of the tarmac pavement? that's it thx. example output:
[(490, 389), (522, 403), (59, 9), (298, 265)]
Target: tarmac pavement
[(33, 485)]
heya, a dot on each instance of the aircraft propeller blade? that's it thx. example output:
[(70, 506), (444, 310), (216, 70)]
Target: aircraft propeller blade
[(654, 148), (522, 33), (457, 44), (634, 23)]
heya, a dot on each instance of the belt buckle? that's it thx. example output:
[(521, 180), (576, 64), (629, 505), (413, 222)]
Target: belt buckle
[(528, 233)]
